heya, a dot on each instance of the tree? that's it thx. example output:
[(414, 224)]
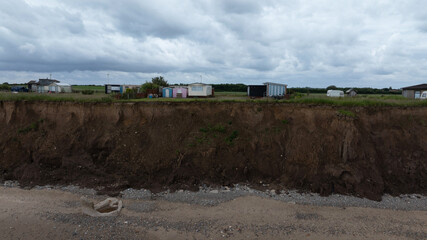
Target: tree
[(160, 81), (332, 87), (148, 86)]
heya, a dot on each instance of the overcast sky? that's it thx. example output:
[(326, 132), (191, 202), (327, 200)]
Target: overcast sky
[(313, 43)]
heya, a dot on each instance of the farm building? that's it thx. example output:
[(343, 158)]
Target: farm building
[(60, 88), (351, 92), (167, 92), (180, 92), (414, 92), (275, 89), (257, 90), (200, 90)]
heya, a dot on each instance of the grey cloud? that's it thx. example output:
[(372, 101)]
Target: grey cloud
[(311, 43), (240, 6)]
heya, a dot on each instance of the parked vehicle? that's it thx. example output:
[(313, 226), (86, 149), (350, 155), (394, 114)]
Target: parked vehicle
[(19, 89), (335, 93), (423, 95)]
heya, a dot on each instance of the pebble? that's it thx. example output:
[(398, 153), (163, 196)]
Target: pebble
[(207, 196)]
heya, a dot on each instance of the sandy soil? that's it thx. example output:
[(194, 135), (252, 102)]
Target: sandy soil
[(54, 214)]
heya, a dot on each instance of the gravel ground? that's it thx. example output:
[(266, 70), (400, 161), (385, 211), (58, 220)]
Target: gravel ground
[(239, 212), (207, 196)]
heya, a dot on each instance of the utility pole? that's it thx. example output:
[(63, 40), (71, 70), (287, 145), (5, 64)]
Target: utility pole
[(108, 78)]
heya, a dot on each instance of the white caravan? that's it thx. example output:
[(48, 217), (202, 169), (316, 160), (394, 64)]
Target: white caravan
[(335, 93)]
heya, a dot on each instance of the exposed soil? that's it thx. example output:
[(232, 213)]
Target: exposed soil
[(363, 151)]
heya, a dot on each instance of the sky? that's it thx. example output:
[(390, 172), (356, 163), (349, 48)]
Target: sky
[(302, 43)]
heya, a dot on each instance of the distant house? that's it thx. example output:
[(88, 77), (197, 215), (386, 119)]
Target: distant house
[(180, 92), (275, 89), (200, 90), (60, 88), (257, 91), (415, 91), (351, 92)]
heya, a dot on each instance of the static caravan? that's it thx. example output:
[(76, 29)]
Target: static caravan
[(167, 92), (257, 91), (199, 90), (275, 89), (335, 93), (112, 88), (180, 92), (60, 88)]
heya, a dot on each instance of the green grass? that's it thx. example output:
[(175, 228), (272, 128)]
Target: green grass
[(32, 127), (96, 88), (229, 140), (60, 97), (347, 113), (217, 128)]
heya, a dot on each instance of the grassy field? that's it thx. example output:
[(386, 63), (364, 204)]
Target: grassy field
[(96, 88), (316, 99)]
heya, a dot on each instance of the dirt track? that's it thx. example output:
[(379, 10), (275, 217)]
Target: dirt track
[(54, 214), (109, 147)]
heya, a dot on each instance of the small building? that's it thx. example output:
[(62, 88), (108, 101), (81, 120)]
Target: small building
[(351, 92), (275, 89), (414, 92), (112, 88), (60, 88), (42, 86), (200, 90), (180, 92), (32, 86), (257, 91), (167, 92)]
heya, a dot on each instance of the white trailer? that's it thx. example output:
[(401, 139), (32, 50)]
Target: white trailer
[(335, 93)]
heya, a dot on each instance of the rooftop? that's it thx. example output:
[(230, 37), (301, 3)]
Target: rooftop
[(416, 87)]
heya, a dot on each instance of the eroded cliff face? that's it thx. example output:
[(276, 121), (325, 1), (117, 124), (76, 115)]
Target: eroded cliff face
[(367, 152)]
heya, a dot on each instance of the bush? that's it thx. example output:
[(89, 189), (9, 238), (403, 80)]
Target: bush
[(4, 87)]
